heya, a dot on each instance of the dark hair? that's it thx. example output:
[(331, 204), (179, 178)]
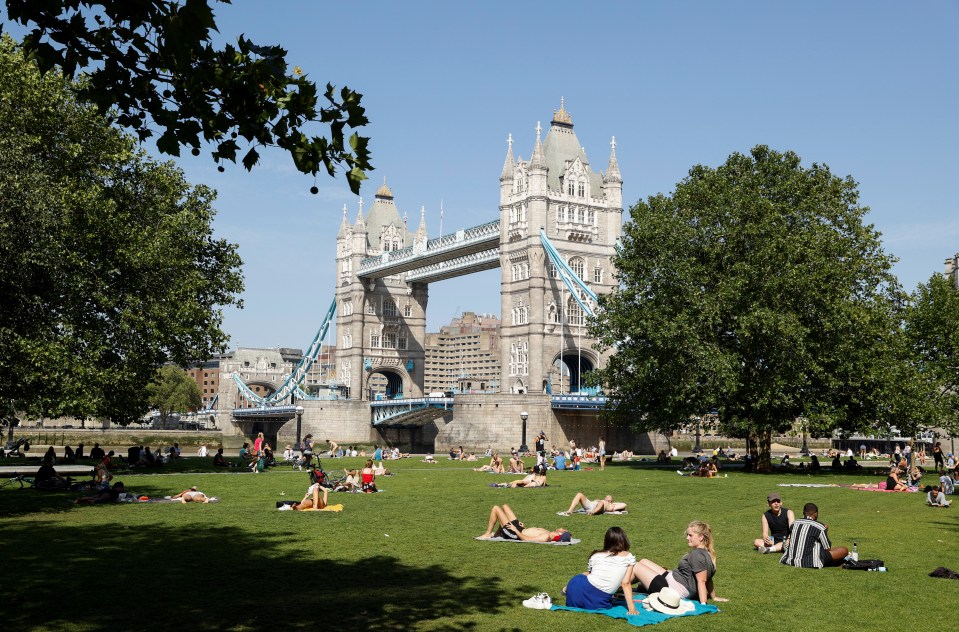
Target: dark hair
[(614, 542), (809, 508)]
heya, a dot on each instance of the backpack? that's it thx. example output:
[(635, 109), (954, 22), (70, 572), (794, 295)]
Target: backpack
[(864, 565)]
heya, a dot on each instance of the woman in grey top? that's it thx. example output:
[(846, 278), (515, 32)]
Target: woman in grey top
[(693, 576)]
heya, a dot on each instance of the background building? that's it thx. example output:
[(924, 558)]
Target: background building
[(464, 356)]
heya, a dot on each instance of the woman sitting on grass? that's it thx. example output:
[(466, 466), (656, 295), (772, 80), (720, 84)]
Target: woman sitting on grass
[(536, 478), (367, 476), (893, 482), (693, 576), (606, 571)]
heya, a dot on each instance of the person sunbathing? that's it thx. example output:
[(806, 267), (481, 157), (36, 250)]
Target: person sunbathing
[(191, 496), (893, 482), (536, 478), (312, 500), (516, 465), (594, 507), (511, 528), (495, 465)]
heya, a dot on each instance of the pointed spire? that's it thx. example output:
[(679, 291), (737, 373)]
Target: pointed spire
[(344, 225), (406, 221), (538, 159), (360, 222), (612, 169), (509, 165)]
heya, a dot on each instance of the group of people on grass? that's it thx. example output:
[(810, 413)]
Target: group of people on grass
[(614, 567)]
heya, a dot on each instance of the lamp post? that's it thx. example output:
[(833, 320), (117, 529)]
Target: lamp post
[(698, 448), (523, 448), (804, 450), (299, 423)]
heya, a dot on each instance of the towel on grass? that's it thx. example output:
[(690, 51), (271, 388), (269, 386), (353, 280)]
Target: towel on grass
[(573, 541), (583, 511), (645, 617)]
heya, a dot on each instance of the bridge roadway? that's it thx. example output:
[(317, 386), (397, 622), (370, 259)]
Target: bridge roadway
[(463, 252)]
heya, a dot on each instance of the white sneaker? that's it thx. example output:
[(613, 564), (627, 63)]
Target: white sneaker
[(539, 602)]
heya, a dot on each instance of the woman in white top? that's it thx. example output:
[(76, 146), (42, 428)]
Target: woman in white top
[(607, 571)]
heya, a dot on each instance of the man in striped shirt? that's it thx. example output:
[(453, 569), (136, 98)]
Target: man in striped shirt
[(808, 545)]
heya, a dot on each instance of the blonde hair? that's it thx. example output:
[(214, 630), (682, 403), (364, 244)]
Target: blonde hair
[(704, 530)]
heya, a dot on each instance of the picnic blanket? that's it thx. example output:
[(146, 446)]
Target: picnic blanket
[(573, 541), (645, 617), (583, 511)]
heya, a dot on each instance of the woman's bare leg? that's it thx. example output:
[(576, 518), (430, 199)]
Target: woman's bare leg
[(645, 571)]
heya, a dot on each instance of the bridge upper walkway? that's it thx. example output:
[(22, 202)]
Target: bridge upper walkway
[(463, 252)]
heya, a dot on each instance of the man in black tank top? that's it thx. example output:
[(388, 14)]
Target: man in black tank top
[(775, 525)]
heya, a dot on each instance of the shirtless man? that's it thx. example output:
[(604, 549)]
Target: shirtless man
[(594, 507), (334, 446), (191, 496), (511, 528)]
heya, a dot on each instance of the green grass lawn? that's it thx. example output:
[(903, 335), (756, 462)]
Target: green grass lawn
[(405, 559)]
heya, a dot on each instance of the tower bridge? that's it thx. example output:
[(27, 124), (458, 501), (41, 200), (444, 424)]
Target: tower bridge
[(558, 225)]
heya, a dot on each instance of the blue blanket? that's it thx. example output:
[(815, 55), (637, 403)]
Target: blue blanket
[(645, 617)]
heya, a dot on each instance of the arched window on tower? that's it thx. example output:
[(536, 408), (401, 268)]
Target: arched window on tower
[(578, 266), (571, 189), (597, 275), (389, 307), (581, 189)]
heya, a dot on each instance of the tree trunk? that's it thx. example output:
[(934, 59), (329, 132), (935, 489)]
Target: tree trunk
[(763, 440)]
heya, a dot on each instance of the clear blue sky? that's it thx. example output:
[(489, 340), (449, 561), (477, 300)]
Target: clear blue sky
[(868, 87)]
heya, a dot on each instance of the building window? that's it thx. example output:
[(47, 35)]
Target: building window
[(403, 342), (571, 189), (407, 310), (574, 313), (389, 341), (389, 307), (551, 270), (371, 306), (348, 339), (597, 275), (512, 214), (375, 341), (582, 189), (347, 308), (578, 266)]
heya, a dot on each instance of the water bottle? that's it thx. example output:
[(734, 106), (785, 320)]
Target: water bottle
[(855, 552)]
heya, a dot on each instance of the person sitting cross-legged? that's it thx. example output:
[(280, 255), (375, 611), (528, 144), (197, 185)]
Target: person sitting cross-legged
[(776, 522), (808, 545)]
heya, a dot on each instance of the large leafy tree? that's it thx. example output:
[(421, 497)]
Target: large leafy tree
[(932, 326), (173, 391), (757, 290), (108, 266), (153, 64)]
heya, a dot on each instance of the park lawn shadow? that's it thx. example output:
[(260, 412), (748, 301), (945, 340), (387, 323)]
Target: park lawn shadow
[(220, 578)]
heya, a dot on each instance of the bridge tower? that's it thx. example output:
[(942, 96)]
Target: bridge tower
[(380, 323), (544, 346)]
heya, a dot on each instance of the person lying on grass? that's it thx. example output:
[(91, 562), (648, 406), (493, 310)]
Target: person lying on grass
[(312, 500), (536, 478), (191, 496), (108, 495), (935, 498), (594, 507), (511, 528)]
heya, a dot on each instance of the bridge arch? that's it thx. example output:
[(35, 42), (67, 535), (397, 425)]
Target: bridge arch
[(388, 382), (263, 388), (570, 368)]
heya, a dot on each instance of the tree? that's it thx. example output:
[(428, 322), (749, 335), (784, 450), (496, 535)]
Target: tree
[(756, 290), (932, 326), (108, 266), (173, 391), (153, 64)]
